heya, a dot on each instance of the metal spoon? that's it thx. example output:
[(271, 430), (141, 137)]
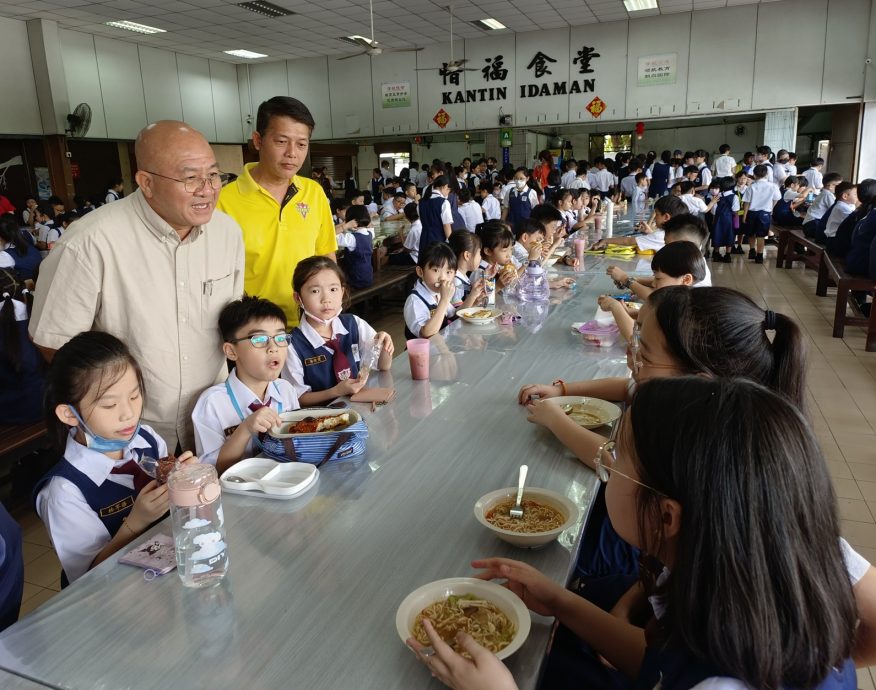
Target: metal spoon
[(234, 479), (517, 510)]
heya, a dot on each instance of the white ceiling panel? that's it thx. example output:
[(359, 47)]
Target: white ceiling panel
[(208, 27)]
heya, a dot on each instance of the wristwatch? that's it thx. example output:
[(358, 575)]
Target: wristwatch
[(626, 285)]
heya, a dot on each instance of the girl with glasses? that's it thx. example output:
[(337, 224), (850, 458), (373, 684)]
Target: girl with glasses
[(747, 580)]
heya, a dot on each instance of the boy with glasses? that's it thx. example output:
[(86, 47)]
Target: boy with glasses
[(229, 416)]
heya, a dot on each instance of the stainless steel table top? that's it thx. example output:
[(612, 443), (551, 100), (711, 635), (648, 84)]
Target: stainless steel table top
[(315, 581)]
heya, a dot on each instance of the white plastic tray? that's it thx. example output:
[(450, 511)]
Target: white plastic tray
[(282, 480)]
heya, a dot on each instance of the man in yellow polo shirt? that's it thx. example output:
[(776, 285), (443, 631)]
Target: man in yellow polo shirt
[(285, 218)]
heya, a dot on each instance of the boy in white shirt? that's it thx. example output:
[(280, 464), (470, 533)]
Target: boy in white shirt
[(757, 209), (469, 209), (393, 208), (410, 251), (570, 175), (639, 204), (229, 416), (603, 179), (704, 174), (581, 181), (490, 193), (725, 163), (695, 204), (628, 184), (821, 204), (530, 236), (846, 202), (813, 175)]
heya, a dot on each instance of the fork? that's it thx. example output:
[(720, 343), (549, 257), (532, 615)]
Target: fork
[(517, 510)]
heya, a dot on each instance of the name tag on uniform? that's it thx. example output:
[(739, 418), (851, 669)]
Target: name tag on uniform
[(355, 349), (319, 359), (230, 430), (117, 507)]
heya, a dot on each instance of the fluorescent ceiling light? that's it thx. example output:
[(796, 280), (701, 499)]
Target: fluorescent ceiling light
[(244, 54), (134, 26), (355, 39), (266, 9), (639, 5), (489, 23)]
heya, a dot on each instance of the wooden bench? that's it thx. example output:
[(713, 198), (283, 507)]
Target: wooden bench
[(20, 440), (846, 283), (815, 255), (385, 279)]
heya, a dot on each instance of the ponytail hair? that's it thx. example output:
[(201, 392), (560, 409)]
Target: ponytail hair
[(10, 289), (11, 233), (721, 332)]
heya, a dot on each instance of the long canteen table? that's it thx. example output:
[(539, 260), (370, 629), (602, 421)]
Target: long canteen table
[(315, 581)]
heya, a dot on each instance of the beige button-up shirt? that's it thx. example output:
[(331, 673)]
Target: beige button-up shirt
[(122, 269)]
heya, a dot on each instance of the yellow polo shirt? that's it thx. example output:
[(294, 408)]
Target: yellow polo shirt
[(276, 240)]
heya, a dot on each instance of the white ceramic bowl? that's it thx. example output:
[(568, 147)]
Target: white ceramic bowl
[(466, 314), (534, 539), (608, 412), (503, 598)]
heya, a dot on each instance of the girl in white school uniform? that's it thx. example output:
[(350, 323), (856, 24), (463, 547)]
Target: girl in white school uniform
[(97, 499), (327, 346)]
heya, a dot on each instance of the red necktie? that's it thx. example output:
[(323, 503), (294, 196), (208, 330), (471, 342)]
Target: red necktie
[(255, 405), (131, 467), (340, 363)]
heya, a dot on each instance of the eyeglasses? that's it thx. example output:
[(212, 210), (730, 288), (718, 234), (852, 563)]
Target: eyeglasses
[(636, 352), (260, 341), (605, 470), (194, 183)]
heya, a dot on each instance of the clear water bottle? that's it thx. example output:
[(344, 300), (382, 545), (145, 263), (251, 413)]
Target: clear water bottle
[(609, 218), (533, 285), (198, 525)]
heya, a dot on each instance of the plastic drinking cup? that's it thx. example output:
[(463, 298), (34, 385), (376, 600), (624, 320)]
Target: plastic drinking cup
[(580, 246), (418, 357)]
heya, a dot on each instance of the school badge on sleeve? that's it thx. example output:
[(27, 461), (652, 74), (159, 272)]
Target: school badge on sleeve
[(303, 208)]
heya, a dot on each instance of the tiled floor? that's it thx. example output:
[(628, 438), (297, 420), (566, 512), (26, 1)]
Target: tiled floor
[(841, 396)]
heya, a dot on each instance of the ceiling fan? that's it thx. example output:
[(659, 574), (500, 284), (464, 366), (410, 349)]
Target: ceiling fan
[(451, 65), (371, 46)]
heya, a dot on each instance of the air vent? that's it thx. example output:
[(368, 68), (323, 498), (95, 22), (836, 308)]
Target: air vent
[(266, 9)]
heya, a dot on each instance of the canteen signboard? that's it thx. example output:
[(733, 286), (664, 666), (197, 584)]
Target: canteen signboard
[(657, 69), (396, 94)]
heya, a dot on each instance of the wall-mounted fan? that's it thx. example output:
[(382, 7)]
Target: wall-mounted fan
[(79, 120), (451, 65), (371, 46)]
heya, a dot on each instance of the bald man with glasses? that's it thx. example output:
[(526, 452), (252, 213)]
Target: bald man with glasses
[(154, 269)]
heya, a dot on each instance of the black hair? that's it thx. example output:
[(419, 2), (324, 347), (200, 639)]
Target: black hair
[(67, 217), (283, 106), (635, 164), (759, 538), (45, 209), (640, 176), (764, 150), (411, 212), (688, 154), (727, 183), (440, 181), (528, 226), (54, 200), (817, 161), (867, 192), (339, 204), (494, 234), (793, 179), (546, 213), (359, 214), (842, 188), (437, 255), (399, 195), (11, 288), (92, 359), (554, 177), (760, 171), (309, 267), (237, 314), (407, 184), (686, 186), (464, 195), (721, 332), (686, 226), (113, 182), (666, 156), (792, 155), (521, 169), (691, 170), (831, 177), (724, 148), (366, 196), (679, 258), (11, 233), (462, 241)]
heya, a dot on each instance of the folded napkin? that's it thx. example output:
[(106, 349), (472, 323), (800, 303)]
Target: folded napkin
[(375, 395)]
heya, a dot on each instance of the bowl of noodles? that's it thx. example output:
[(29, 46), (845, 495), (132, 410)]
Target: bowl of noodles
[(493, 615), (546, 515)]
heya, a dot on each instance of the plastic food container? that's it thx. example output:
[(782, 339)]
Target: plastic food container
[(599, 334)]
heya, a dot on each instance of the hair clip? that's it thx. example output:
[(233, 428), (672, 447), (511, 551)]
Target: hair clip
[(6, 295), (25, 291)]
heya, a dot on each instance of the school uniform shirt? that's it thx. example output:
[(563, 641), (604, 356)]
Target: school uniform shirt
[(761, 195), (707, 279), (463, 287), (293, 370), (790, 195), (412, 240), (388, 209), (604, 180), (580, 183), (705, 176), (628, 186), (372, 208), (724, 166), (533, 197), (347, 239), (694, 204), (780, 173), (111, 195), (568, 178), (840, 211), (640, 201), (591, 178), (675, 174), (492, 209), (472, 215), (417, 313), (42, 235), (519, 255), (53, 235), (791, 168), (652, 242), (813, 178), (215, 417), (820, 205), (77, 532), (6, 259)]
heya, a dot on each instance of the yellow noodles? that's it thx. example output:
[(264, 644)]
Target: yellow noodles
[(583, 414), (481, 619), (537, 517)]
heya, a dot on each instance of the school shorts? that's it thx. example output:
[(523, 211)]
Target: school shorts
[(759, 223)]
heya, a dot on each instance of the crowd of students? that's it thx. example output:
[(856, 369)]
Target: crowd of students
[(719, 512)]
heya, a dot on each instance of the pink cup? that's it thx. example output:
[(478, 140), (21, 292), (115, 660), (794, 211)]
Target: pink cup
[(418, 357), (580, 246)]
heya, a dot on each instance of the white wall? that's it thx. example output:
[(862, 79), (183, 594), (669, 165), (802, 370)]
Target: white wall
[(20, 113)]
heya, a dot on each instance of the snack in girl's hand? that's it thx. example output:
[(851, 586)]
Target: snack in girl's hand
[(164, 467)]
